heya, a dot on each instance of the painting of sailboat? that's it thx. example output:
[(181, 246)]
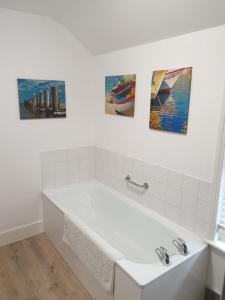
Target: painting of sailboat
[(170, 96), (120, 95)]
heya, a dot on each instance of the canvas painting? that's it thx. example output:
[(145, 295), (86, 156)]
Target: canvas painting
[(170, 96), (120, 95), (40, 99)]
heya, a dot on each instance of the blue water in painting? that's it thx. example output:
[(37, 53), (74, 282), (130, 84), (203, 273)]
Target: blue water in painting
[(176, 106), (110, 82)]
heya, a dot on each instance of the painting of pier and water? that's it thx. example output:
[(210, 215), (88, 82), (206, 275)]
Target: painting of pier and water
[(40, 99), (120, 95), (170, 96)]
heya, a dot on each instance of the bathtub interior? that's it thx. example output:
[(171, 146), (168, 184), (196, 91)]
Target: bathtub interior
[(118, 220)]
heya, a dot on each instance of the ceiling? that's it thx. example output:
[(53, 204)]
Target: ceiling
[(107, 25)]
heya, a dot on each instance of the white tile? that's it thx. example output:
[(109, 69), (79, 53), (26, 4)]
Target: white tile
[(175, 180), (60, 168), (99, 164), (159, 191), (173, 197), (129, 165), (149, 201), (86, 163), (138, 169), (158, 206), (92, 163), (99, 154), (72, 154), (48, 169), (160, 174), (203, 211), (121, 185), (87, 151), (189, 203), (110, 161), (121, 161), (97, 173), (73, 165), (205, 191), (113, 182), (188, 221), (48, 182), (152, 188), (104, 156), (61, 180), (142, 197), (149, 172), (73, 177), (115, 162), (85, 175), (100, 176), (60, 155), (47, 157), (202, 228), (173, 213), (114, 173), (117, 171), (190, 186)]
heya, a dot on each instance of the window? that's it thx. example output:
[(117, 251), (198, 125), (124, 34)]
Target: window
[(221, 209)]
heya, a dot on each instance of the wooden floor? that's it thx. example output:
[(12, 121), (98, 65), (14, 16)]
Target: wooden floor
[(33, 270)]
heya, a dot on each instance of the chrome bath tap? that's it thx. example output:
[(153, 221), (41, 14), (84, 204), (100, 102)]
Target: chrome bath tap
[(181, 246), (163, 255)]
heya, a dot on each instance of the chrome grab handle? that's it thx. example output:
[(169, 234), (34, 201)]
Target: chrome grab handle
[(163, 255), (144, 186), (181, 246)]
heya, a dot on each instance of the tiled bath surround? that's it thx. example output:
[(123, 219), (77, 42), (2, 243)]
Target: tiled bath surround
[(68, 166), (181, 198)]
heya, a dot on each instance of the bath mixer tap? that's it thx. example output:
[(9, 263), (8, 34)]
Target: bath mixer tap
[(181, 246), (163, 255)]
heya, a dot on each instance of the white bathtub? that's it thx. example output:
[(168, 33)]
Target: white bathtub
[(136, 232)]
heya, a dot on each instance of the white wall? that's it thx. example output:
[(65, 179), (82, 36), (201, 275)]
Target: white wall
[(192, 154), (216, 270), (37, 48)]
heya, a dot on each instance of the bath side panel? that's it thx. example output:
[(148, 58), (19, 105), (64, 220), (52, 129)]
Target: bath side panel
[(125, 287), (54, 226), (185, 282)]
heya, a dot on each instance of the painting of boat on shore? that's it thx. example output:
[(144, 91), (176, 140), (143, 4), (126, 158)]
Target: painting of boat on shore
[(170, 96), (120, 95), (40, 99)]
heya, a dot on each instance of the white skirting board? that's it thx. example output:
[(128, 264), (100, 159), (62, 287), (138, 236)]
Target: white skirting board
[(21, 232)]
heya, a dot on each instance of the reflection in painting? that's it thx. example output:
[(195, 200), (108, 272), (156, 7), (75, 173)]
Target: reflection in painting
[(120, 95), (170, 96), (40, 99)]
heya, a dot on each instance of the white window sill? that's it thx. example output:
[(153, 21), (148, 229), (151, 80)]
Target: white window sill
[(219, 245)]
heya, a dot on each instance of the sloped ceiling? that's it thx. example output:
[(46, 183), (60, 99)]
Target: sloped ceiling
[(107, 25)]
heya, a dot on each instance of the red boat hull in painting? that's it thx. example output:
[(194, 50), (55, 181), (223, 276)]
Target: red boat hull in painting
[(169, 80), (123, 97), (165, 91), (121, 89)]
